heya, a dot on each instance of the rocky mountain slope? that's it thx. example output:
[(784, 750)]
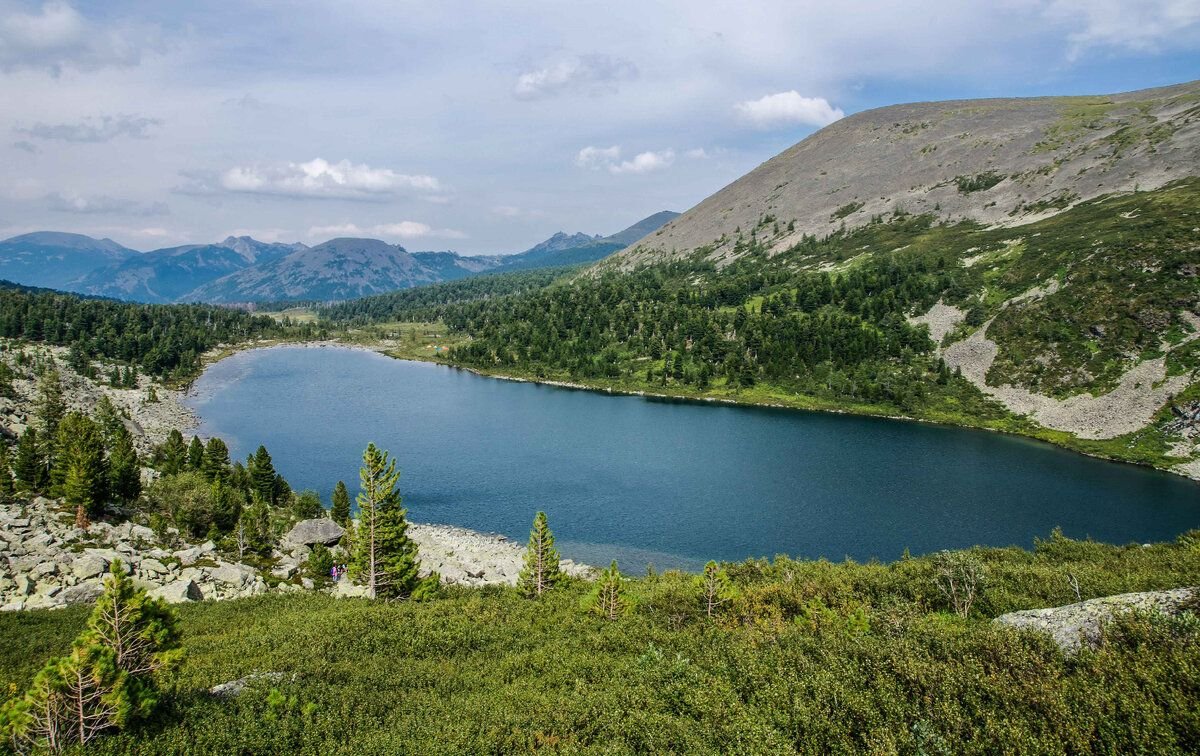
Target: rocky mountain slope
[(56, 260), (998, 161)]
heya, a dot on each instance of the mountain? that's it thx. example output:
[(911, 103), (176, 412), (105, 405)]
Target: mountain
[(998, 162), (167, 275), (242, 269), (562, 249), (54, 260), (342, 268)]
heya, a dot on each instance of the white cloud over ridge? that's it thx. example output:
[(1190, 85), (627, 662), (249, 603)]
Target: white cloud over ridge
[(592, 74), (1142, 26), (788, 108), (318, 178), (406, 230)]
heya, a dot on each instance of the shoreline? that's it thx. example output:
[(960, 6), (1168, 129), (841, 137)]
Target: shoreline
[(1186, 470)]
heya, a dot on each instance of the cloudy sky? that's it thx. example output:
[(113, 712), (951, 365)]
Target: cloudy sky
[(486, 126)]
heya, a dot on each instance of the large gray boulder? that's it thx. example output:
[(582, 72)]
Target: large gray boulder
[(82, 593), (89, 566), (1073, 625), (178, 592), (311, 532), (237, 575)]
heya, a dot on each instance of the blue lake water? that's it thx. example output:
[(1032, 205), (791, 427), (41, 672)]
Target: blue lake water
[(665, 482)]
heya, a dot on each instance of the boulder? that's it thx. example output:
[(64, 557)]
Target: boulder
[(237, 575), (25, 585), (178, 592), (320, 530), (1073, 625), (44, 569), (83, 593), (89, 566), (346, 589), (234, 688), (153, 567)]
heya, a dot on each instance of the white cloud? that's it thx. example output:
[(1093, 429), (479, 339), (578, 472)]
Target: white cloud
[(788, 109), (400, 230), (320, 178), (645, 162), (1143, 26), (598, 158), (103, 205), (103, 129), (57, 36), (697, 154), (592, 74)]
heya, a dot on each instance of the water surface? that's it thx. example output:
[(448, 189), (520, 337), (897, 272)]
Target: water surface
[(665, 482)]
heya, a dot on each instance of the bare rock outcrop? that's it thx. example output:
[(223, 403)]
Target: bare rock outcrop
[(1074, 625)]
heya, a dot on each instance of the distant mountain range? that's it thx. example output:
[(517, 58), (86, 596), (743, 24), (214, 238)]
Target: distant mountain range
[(242, 269)]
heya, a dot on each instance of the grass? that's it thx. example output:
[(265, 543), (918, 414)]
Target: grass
[(803, 656)]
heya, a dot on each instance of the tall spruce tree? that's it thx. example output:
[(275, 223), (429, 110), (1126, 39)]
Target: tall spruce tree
[(7, 489), (172, 454), (385, 559), (50, 406), (262, 474), (124, 472), (29, 467), (195, 454), (340, 512), (216, 460), (541, 570), (81, 466)]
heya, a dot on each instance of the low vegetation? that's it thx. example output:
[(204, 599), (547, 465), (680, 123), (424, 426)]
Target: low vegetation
[(757, 657)]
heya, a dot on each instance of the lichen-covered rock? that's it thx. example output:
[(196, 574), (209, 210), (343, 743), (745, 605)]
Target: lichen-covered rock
[(82, 593), (89, 566), (1073, 625)]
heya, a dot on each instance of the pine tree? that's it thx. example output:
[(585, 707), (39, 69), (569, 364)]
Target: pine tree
[(124, 472), (541, 570), (384, 557), (107, 680), (7, 490), (216, 460), (262, 474), (195, 454), (49, 406), (340, 512), (172, 455), (30, 468), (109, 419), (715, 588), (84, 470), (606, 598)]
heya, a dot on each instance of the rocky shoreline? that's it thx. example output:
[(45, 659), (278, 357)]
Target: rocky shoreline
[(48, 563)]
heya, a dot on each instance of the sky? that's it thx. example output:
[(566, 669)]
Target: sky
[(485, 126)]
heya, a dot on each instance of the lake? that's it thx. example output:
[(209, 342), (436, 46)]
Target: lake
[(665, 482)]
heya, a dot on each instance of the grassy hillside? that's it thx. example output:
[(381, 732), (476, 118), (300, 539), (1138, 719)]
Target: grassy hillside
[(808, 656)]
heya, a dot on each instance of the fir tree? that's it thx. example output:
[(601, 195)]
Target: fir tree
[(172, 455), (195, 454), (541, 570), (151, 394), (30, 469), (262, 474), (124, 472), (84, 470), (109, 420), (385, 559), (216, 460), (307, 505), (340, 513), (7, 490), (50, 406)]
